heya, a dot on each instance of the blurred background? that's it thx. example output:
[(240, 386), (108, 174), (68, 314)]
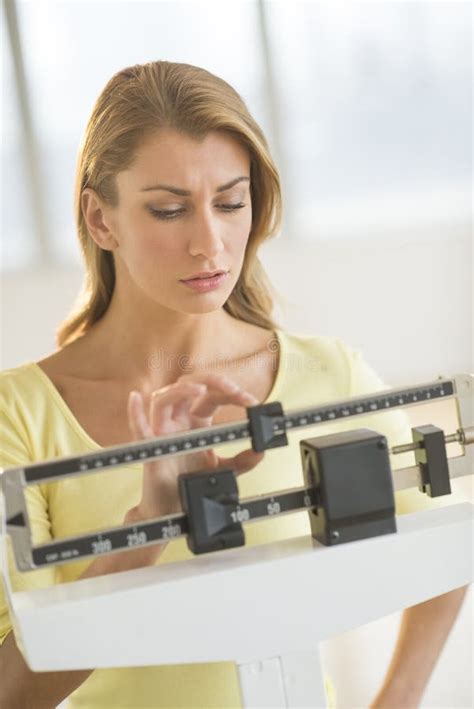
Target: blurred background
[(367, 107)]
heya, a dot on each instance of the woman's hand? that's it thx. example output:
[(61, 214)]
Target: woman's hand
[(190, 402)]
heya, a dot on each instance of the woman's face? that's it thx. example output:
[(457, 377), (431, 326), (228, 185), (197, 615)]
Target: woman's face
[(164, 237)]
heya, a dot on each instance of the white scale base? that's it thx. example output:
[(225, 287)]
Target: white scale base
[(266, 608)]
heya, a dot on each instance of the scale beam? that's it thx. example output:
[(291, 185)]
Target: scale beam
[(204, 438), (213, 514)]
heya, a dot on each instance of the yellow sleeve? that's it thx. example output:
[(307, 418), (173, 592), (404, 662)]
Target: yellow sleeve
[(14, 452), (396, 426)]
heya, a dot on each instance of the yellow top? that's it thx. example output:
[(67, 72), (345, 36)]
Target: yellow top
[(36, 424)]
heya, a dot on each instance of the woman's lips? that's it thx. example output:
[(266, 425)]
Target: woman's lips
[(202, 285)]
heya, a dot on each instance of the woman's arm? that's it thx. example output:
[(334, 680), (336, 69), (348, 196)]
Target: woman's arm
[(424, 629), (22, 688)]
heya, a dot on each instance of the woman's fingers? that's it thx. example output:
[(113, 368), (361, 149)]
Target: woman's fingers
[(169, 404), (220, 390), (208, 405), (177, 406), (138, 422)]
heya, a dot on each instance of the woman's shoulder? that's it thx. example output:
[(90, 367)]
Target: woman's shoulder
[(31, 377), (313, 365), (17, 412), (337, 357), (330, 351), (23, 405), (17, 379), (26, 394)]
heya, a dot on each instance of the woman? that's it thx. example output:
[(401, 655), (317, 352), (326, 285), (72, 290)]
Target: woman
[(174, 182)]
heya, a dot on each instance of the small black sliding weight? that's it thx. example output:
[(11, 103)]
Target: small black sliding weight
[(432, 458), (208, 497), (262, 421)]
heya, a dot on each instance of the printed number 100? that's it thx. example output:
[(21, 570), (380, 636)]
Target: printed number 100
[(240, 515)]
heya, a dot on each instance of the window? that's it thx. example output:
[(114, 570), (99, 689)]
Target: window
[(19, 245), (367, 107), (69, 58), (375, 105)]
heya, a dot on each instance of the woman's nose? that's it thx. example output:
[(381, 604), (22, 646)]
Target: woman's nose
[(206, 237)]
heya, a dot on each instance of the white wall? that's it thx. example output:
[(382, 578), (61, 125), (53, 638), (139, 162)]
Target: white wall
[(407, 303)]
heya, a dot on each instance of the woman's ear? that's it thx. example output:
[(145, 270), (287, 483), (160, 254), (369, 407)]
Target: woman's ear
[(95, 215)]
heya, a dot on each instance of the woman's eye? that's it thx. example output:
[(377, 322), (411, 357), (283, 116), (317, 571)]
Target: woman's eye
[(164, 214), (172, 214)]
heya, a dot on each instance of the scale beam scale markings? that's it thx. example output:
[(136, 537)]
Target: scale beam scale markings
[(204, 438), (213, 513)]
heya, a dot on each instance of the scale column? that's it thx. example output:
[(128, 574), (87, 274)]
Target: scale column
[(293, 681)]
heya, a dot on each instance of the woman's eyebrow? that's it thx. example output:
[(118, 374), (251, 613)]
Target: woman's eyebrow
[(186, 193)]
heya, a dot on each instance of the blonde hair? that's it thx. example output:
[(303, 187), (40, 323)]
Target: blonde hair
[(137, 102)]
